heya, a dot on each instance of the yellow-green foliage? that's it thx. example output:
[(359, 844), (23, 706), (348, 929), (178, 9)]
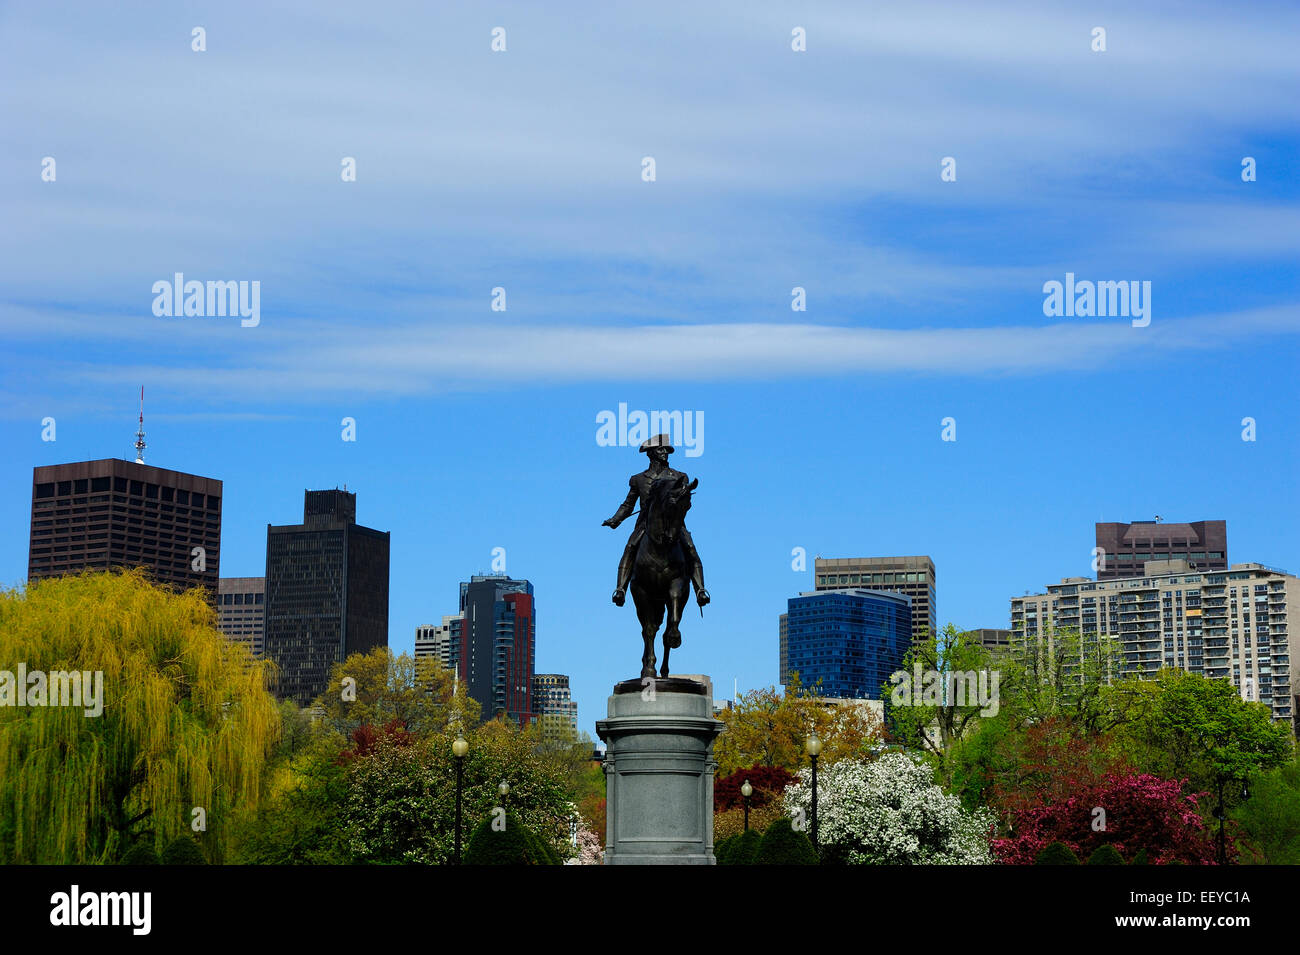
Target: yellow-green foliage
[(731, 822), (187, 721)]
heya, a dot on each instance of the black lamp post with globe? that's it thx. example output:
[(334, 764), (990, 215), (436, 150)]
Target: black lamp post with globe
[(813, 747)]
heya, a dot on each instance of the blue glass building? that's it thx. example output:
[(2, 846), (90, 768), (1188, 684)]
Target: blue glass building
[(851, 639)]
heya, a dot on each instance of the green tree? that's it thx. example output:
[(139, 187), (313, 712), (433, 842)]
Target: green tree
[(1200, 729), (186, 721), (400, 801), (934, 722), (296, 730), (375, 688), (1268, 822), (769, 728), (301, 821), (1012, 768), (1063, 674)]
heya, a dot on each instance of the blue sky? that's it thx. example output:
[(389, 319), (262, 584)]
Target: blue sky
[(522, 169)]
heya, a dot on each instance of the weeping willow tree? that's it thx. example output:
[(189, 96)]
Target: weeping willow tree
[(186, 722)]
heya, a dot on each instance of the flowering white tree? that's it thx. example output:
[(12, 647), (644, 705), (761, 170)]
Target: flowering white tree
[(889, 811), (590, 851)]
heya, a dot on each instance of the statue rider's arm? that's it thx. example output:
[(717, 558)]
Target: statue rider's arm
[(626, 508)]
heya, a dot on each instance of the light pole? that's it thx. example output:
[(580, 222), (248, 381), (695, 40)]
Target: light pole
[(1221, 814), (504, 790), (746, 790), (1222, 854), (813, 747), (458, 749)]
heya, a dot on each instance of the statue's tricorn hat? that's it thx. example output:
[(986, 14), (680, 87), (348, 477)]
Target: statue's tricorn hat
[(658, 441)]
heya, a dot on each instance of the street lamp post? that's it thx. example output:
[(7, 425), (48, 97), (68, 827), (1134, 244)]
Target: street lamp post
[(813, 747), (504, 790), (746, 790), (458, 749), (1221, 814)]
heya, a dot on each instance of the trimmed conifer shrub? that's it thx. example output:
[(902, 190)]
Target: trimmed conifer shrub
[(513, 844), (721, 849), (545, 851), (743, 848), (1106, 855), (142, 853), (183, 851), (1140, 857), (783, 845), (1056, 853)]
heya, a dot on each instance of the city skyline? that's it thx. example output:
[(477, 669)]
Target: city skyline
[(756, 670)]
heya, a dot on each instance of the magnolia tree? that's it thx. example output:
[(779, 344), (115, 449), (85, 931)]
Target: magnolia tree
[(590, 851), (889, 812)]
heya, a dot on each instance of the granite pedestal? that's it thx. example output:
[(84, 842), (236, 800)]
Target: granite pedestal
[(659, 773)]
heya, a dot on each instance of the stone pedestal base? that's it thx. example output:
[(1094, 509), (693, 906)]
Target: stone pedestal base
[(659, 773)]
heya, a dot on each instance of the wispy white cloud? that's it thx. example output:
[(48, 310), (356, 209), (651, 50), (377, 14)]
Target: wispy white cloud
[(412, 361)]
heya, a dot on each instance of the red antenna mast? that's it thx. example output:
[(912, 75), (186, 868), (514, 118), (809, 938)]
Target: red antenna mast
[(139, 435)]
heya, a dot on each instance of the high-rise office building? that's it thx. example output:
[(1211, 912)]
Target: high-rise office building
[(1231, 624), (992, 638), (1127, 547), (913, 576), (496, 648), (116, 513), (241, 611), (557, 712), (440, 641), (851, 639), (783, 648), (326, 592)]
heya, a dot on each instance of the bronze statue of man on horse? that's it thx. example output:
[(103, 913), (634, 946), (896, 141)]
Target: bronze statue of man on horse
[(660, 561)]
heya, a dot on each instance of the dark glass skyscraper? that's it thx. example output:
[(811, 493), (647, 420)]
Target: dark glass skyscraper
[(850, 639), (496, 645), (326, 592), (117, 513)]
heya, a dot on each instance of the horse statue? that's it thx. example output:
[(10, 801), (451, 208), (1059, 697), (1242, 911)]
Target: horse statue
[(661, 574)]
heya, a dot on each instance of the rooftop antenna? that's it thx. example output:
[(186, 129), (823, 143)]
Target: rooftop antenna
[(139, 435)]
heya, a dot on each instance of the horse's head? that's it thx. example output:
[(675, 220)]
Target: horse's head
[(679, 496), (669, 502)]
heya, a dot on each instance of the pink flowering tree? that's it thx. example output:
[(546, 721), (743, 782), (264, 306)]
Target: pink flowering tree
[(1128, 811)]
